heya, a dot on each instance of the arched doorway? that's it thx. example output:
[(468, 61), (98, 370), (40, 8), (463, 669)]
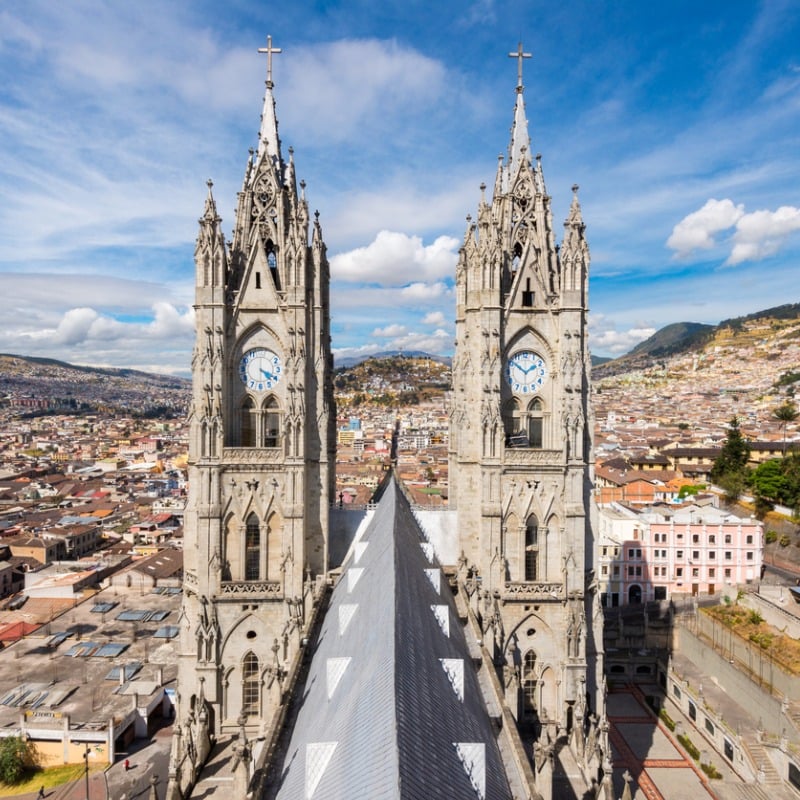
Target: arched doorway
[(635, 595)]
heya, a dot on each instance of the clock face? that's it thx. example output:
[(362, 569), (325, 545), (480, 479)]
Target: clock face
[(525, 372), (260, 369)]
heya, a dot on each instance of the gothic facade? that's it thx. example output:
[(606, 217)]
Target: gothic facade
[(520, 442), (261, 454)]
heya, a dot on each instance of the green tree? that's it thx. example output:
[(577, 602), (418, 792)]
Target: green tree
[(785, 413), (730, 468), (768, 481), (17, 757)]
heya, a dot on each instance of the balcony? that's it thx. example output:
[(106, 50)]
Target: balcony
[(520, 591), (251, 590)]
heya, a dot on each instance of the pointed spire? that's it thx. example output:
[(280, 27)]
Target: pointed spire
[(574, 218), (520, 141), (268, 141), (210, 209)]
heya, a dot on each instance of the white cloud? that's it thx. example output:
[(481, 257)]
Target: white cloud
[(395, 259), (605, 338), (390, 331), (696, 231), (337, 89), (434, 318), (762, 233)]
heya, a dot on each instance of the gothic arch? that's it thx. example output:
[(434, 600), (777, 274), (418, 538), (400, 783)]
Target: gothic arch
[(271, 422), (274, 547), (253, 546), (232, 564), (248, 422), (548, 695), (531, 557)]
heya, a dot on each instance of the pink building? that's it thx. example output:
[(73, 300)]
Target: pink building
[(654, 553)]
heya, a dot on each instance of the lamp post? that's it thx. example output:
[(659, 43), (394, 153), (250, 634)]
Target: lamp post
[(86, 768)]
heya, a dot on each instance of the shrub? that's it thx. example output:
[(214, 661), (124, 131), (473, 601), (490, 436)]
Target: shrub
[(689, 747), (784, 540), (754, 618), (711, 771), (666, 719), (17, 758), (771, 536)]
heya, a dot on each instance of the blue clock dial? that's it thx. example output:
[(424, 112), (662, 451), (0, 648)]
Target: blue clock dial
[(525, 372), (260, 369)]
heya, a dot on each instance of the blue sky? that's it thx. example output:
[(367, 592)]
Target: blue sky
[(680, 122)]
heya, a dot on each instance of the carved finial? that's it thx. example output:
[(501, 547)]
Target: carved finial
[(575, 188)]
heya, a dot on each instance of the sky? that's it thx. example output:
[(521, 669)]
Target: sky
[(680, 122)]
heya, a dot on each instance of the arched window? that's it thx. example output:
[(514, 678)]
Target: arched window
[(272, 263), (535, 423), (272, 423), (529, 683), (248, 423), (252, 549), (250, 684), (517, 257), (532, 549), (512, 421)]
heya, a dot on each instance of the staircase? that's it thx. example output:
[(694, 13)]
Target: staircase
[(758, 755)]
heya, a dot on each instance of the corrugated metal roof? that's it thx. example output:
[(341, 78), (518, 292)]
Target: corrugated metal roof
[(392, 707)]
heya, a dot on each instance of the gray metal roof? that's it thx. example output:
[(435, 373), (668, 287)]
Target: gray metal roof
[(392, 707)]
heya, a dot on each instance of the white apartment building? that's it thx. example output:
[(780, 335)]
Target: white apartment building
[(651, 554)]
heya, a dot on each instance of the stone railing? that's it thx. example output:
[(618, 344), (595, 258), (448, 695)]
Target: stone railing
[(533, 591), (253, 455), (252, 589), (520, 456)]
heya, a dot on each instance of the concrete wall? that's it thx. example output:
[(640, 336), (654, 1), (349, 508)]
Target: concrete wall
[(746, 656), (747, 694)]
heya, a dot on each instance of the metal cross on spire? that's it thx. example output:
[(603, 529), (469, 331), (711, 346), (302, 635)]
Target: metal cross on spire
[(519, 55), (269, 50)]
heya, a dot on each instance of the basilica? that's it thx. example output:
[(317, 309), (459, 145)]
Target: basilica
[(399, 671)]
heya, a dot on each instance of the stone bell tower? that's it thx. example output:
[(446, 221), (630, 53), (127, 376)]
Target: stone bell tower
[(521, 439), (261, 453)]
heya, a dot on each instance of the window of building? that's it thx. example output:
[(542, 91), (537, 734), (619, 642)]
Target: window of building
[(604, 569), (252, 549), (695, 572), (692, 711), (631, 573), (638, 572), (250, 684), (727, 538), (712, 539), (728, 555), (695, 539), (532, 549), (529, 683), (749, 539), (679, 554), (248, 423), (616, 569), (695, 554), (749, 555), (712, 572), (728, 573), (535, 423), (272, 423), (712, 553), (679, 572)]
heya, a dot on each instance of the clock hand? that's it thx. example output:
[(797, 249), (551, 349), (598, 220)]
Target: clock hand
[(267, 374)]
